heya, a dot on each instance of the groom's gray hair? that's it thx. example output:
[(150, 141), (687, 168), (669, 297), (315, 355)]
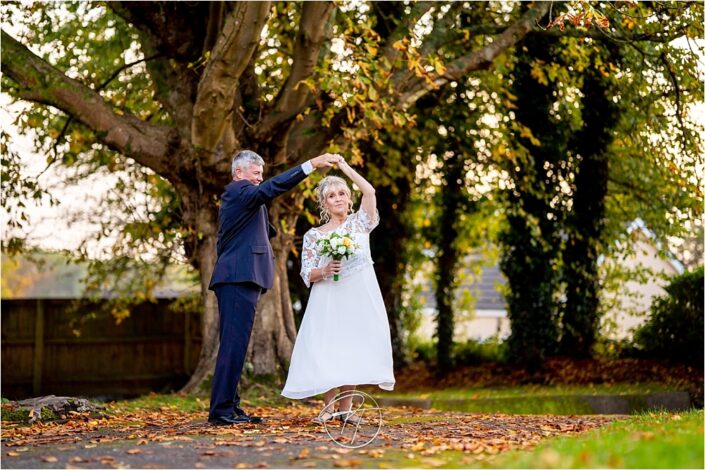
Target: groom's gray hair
[(244, 158)]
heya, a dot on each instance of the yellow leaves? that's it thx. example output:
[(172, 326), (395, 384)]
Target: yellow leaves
[(351, 114), (34, 121), (401, 45), (438, 65), (537, 72), (308, 82), (76, 141), (372, 93), (119, 314), (417, 447), (629, 22), (347, 463), (526, 133), (356, 155), (372, 50)]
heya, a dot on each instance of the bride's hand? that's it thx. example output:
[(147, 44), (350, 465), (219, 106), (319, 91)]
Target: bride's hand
[(332, 268)]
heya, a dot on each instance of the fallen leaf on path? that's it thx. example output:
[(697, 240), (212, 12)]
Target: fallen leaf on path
[(134, 451), (347, 463), (429, 462), (49, 459)]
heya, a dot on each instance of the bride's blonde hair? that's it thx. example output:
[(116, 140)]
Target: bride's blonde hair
[(322, 190)]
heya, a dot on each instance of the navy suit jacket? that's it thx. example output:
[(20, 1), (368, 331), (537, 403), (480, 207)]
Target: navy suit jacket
[(244, 251)]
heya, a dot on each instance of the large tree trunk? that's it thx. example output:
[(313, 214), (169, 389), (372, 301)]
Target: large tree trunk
[(447, 259), (205, 257), (581, 316), (531, 243)]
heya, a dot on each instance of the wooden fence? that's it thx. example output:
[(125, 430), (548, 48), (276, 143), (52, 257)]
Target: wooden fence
[(46, 351)]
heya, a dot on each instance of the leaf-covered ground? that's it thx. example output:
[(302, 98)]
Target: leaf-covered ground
[(173, 438)]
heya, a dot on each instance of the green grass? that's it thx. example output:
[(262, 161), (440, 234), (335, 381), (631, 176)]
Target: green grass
[(154, 401), (530, 399), (253, 396), (652, 440), (534, 390)]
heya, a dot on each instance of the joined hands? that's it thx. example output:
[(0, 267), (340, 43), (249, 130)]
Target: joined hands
[(327, 160)]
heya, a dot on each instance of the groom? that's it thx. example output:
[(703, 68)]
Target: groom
[(245, 269)]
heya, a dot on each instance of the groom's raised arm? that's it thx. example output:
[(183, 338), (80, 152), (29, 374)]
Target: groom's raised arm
[(283, 182)]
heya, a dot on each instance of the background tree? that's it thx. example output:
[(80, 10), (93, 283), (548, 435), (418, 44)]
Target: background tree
[(531, 242)]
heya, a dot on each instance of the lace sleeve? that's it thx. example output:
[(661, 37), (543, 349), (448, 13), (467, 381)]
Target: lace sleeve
[(309, 257), (361, 222)]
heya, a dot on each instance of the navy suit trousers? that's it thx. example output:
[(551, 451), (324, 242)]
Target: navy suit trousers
[(237, 304)]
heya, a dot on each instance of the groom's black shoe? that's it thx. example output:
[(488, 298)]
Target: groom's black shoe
[(229, 420), (240, 413)]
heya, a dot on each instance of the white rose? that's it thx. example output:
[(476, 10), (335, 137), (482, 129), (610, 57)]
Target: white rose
[(335, 242), (341, 250)]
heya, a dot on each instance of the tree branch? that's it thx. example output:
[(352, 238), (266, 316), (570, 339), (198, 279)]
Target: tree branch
[(476, 60), (216, 90), (105, 83), (215, 23), (593, 33), (40, 82), (294, 95)]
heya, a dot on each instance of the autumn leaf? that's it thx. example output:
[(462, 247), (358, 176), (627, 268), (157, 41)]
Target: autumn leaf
[(347, 463)]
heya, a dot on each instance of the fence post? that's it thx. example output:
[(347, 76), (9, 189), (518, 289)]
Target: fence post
[(38, 348), (187, 342)]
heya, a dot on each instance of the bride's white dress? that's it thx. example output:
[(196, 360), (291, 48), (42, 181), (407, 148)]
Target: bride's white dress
[(344, 336)]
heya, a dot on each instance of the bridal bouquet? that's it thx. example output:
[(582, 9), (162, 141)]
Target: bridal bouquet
[(338, 247)]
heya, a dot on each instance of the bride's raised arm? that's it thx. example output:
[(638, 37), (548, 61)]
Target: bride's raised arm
[(369, 200)]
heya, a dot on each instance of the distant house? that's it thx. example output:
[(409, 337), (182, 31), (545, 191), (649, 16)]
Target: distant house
[(489, 317), (628, 308)]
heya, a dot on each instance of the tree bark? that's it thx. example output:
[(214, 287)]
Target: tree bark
[(447, 259), (204, 259), (581, 315)]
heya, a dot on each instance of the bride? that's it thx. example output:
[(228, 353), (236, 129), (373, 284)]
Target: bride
[(344, 338)]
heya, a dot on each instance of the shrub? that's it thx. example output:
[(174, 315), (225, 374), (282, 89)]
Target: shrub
[(476, 352), (674, 330)]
